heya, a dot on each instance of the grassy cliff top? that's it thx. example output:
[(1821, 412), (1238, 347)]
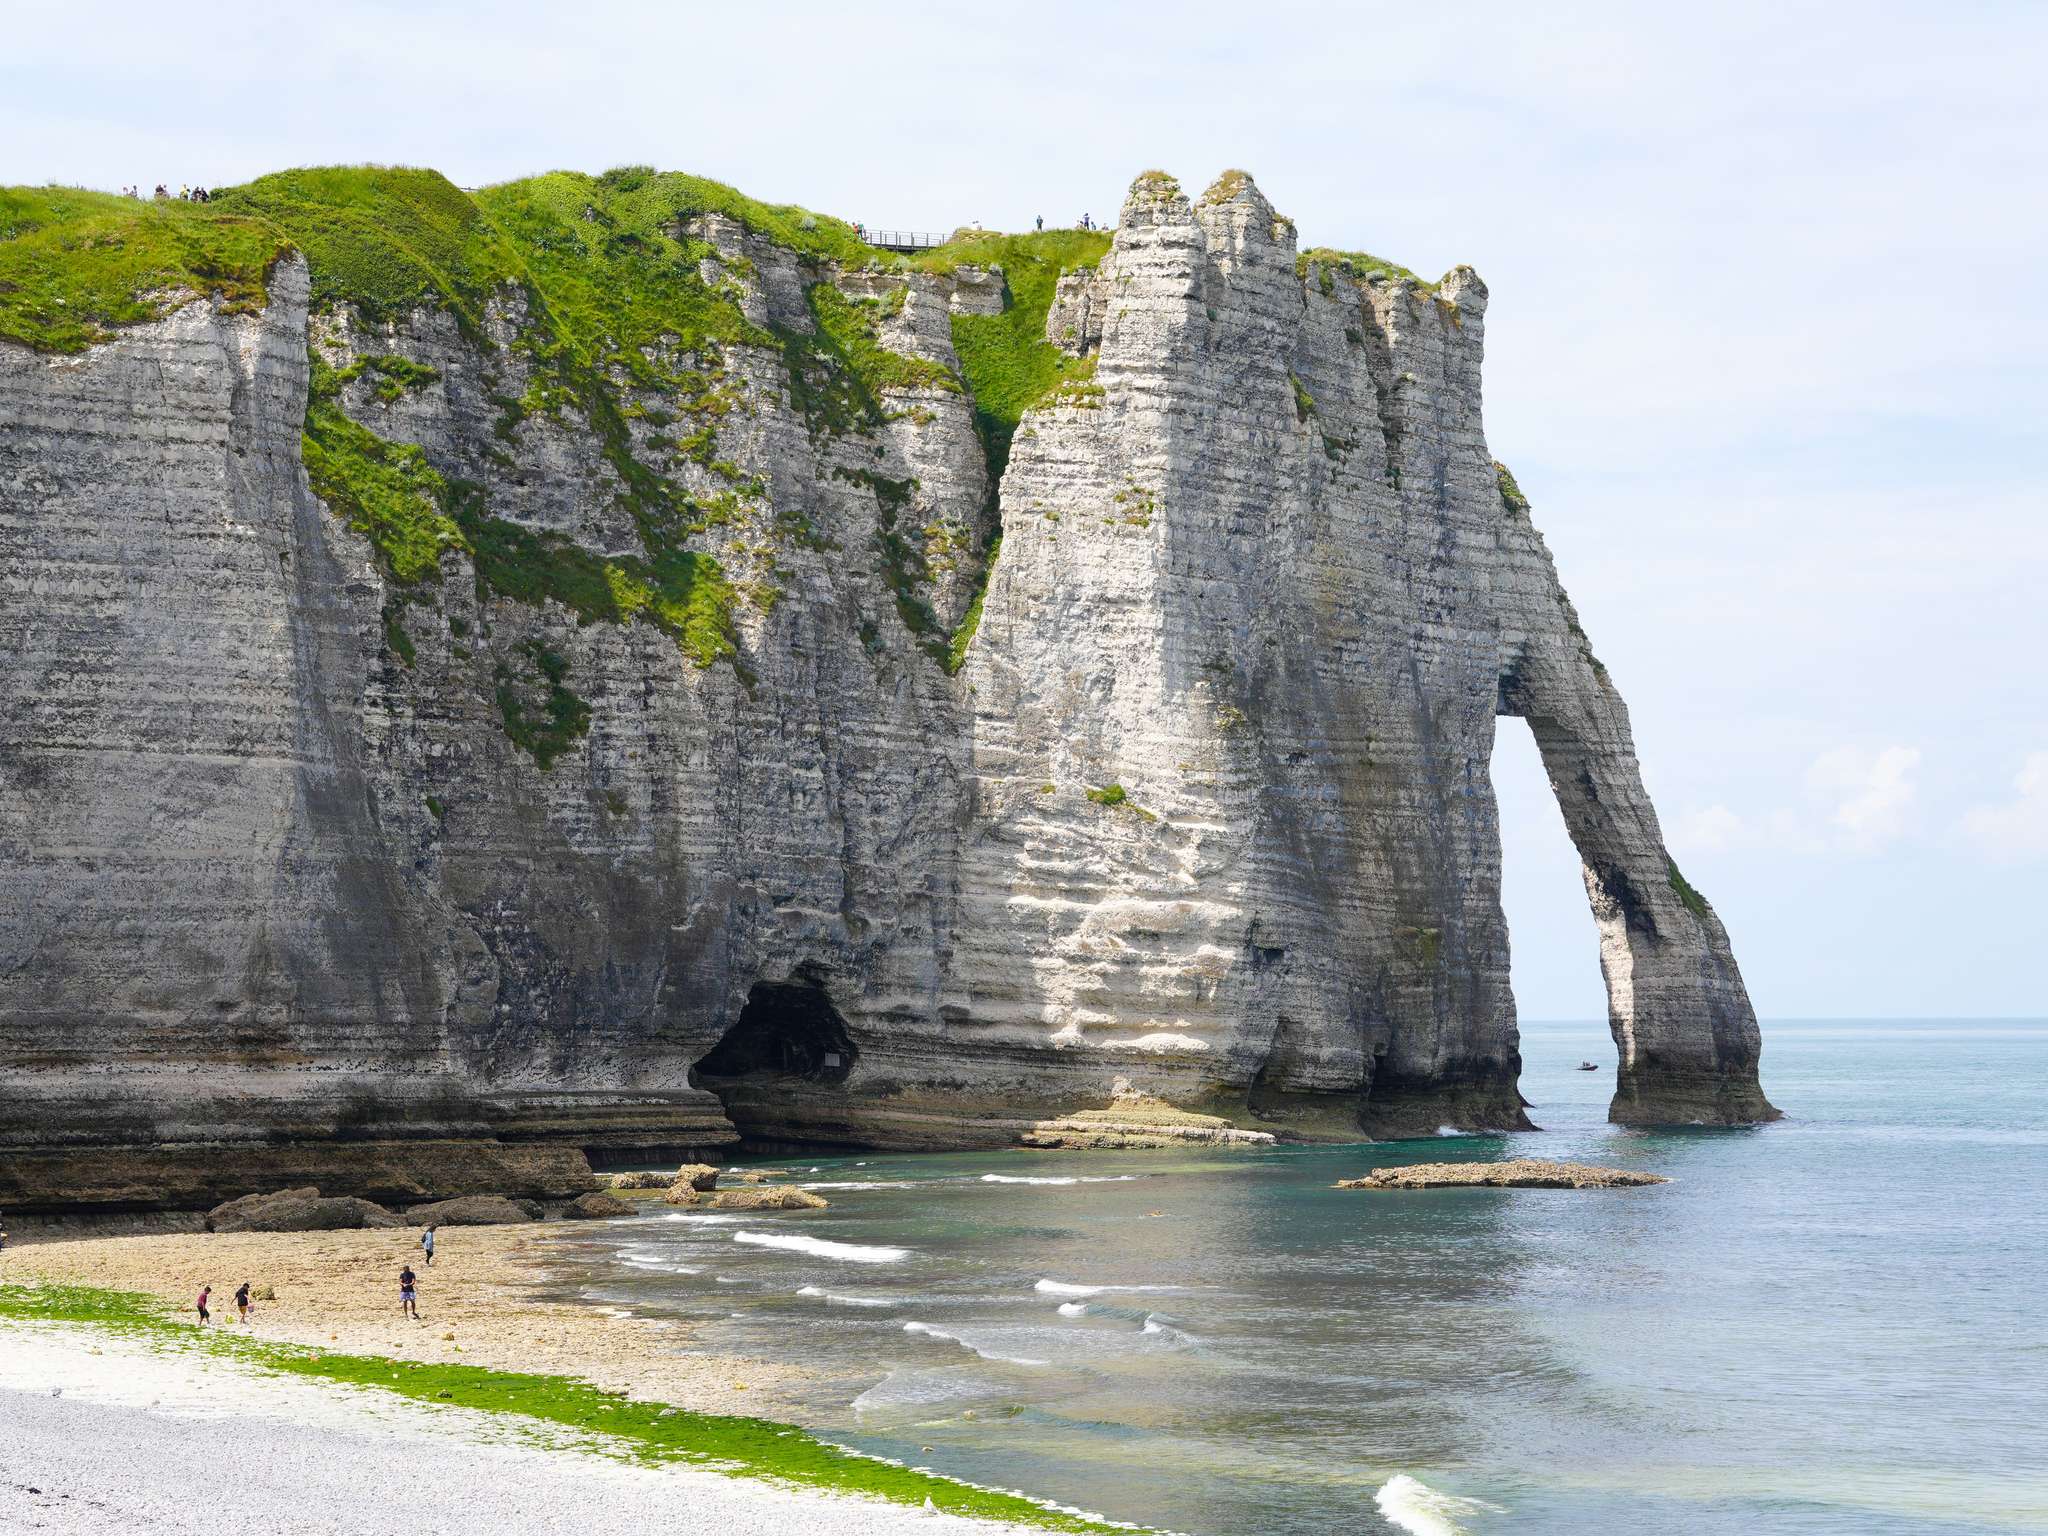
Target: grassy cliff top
[(605, 258), (75, 265)]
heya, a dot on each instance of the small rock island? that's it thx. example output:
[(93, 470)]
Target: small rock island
[(1517, 1173)]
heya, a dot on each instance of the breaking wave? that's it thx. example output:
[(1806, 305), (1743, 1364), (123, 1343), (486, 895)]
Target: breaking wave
[(953, 1338), (1420, 1510), (1073, 1308), (843, 1301), (796, 1242), (1066, 1288), (654, 1259), (1024, 1178), (1159, 1328)]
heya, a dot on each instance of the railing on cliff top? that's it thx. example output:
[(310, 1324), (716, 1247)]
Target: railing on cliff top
[(903, 239)]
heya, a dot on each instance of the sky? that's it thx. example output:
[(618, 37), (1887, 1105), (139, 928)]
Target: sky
[(1765, 346)]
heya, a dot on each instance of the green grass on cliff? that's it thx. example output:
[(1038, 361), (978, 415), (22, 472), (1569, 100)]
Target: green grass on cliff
[(619, 318), (76, 265), (1359, 266), (386, 491), (1009, 364), (1689, 898), (648, 1432), (970, 621)]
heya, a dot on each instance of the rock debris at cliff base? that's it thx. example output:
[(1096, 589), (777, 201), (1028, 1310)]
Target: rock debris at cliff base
[(470, 654)]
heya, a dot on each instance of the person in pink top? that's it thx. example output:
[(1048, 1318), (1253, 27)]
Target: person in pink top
[(204, 1315)]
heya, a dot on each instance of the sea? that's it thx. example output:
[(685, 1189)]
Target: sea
[(1832, 1324)]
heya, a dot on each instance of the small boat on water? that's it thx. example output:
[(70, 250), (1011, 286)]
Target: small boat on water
[(1587, 1066)]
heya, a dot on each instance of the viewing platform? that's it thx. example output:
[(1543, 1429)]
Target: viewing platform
[(904, 239)]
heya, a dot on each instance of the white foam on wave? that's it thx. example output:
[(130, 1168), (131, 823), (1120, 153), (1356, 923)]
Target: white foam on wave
[(1419, 1509), (953, 1338), (654, 1259), (857, 1184), (1025, 1178), (703, 1218), (1073, 1308), (1066, 1288), (796, 1242), (1451, 1130), (1158, 1328), (831, 1299)]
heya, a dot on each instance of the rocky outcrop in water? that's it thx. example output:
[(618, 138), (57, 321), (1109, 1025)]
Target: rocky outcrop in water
[(567, 697), (1518, 1173)]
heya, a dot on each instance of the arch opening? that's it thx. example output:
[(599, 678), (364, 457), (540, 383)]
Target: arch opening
[(1554, 958)]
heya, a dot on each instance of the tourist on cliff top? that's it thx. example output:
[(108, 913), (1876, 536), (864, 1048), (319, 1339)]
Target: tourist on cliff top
[(427, 1243), (205, 1316), (1039, 223), (408, 1293), (242, 1301)]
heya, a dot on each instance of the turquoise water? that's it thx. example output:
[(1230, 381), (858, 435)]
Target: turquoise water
[(1833, 1324)]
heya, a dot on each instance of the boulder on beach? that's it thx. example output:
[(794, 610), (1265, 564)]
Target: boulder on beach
[(696, 1175), (298, 1210), (596, 1207), (1520, 1173), (777, 1197), (473, 1211)]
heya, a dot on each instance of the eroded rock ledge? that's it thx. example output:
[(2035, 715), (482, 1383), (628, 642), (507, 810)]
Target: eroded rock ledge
[(603, 666), (1519, 1173)]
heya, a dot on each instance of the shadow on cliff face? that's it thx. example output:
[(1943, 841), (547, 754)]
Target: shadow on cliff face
[(788, 1038)]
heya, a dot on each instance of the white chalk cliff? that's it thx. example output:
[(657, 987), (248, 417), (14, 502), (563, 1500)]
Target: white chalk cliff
[(1198, 840)]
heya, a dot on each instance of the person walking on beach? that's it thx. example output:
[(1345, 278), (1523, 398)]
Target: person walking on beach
[(242, 1302), (408, 1293), (427, 1244), (205, 1316)]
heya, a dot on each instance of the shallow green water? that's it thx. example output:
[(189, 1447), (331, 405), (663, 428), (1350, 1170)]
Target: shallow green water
[(1829, 1325)]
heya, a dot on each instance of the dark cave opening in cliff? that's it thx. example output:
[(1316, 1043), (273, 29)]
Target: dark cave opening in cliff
[(788, 1029)]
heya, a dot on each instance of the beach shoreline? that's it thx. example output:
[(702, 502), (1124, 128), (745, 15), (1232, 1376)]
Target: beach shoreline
[(484, 1301)]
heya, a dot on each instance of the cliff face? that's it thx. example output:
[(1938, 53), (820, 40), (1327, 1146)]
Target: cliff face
[(639, 760)]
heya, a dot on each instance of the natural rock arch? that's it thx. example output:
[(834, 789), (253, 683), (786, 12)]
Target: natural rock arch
[(1680, 1015)]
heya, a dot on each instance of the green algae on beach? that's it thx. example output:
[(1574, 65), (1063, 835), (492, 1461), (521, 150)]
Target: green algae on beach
[(649, 1432)]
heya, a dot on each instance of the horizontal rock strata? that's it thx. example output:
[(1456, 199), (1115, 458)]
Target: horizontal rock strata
[(448, 736)]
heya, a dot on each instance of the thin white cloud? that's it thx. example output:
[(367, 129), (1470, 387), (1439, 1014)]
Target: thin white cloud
[(1868, 792), (2017, 829)]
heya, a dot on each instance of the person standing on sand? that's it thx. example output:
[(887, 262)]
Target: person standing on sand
[(242, 1302), (204, 1316), (427, 1243), (408, 1293)]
